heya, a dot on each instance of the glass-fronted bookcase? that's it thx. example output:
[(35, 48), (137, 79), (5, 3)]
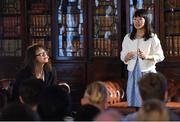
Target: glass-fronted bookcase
[(10, 28), (88, 41), (22, 22), (38, 22), (171, 28), (88, 33), (11, 37)]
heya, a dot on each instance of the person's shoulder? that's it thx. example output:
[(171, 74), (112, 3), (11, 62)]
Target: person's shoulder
[(154, 35), (127, 35)]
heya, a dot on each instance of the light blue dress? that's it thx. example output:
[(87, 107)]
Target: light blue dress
[(133, 94)]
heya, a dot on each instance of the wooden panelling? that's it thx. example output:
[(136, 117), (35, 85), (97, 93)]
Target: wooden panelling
[(71, 72)]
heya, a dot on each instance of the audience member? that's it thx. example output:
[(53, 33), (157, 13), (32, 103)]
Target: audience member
[(153, 86), (109, 115), (87, 112), (153, 110), (18, 112), (29, 92), (96, 94), (36, 65), (93, 102), (55, 104)]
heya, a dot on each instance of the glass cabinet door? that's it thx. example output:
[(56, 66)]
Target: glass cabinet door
[(71, 41), (104, 28), (10, 28), (39, 22), (171, 27), (139, 4)]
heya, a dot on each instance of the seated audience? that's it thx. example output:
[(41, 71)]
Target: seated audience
[(54, 104), (153, 86), (109, 115), (18, 112), (36, 65), (153, 110), (96, 94), (93, 102), (29, 92), (87, 112)]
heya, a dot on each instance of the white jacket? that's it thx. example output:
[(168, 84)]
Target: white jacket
[(151, 47)]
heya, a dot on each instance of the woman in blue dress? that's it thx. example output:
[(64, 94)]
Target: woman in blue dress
[(141, 50)]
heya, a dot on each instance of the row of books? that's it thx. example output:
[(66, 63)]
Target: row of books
[(172, 45), (172, 23), (105, 47), (11, 26), (40, 25), (104, 21), (10, 6), (10, 47)]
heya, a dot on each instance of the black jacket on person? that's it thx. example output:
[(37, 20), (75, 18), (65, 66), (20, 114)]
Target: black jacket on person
[(25, 74)]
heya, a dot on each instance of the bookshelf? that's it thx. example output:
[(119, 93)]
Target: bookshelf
[(171, 32), (22, 22), (38, 23), (10, 28)]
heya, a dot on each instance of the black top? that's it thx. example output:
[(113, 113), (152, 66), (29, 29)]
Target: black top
[(87, 113), (25, 74)]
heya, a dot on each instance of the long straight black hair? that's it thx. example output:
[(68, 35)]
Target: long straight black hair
[(147, 25)]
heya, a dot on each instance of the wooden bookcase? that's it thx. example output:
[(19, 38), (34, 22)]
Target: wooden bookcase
[(170, 36), (87, 42), (22, 22)]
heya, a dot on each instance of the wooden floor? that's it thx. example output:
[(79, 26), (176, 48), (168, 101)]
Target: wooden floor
[(169, 104), (124, 109)]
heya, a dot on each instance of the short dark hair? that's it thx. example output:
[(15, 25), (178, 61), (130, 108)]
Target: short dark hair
[(55, 103), (153, 85)]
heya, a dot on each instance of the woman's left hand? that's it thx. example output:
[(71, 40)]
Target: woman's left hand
[(141, 54)]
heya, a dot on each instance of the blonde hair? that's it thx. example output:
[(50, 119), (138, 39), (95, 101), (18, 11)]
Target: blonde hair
[(96, 92), (153, 110)]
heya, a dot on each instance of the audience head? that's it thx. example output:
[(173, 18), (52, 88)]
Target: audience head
[(109, 115), (153, 110), (30, 90), (18, 111), (55, 103), (87, 113), (153, 86), (96, 94)]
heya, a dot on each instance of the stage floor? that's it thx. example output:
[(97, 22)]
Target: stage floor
[(169, 104), (124, 109)]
